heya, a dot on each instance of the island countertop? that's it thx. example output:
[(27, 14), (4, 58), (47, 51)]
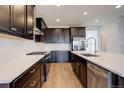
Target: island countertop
[(11, 69), (110, 61)]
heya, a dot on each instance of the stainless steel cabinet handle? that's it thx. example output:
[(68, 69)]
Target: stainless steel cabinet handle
[(32, 71), (33, 84), (47, 58), (15, 29), (78, 64), (12, 28)]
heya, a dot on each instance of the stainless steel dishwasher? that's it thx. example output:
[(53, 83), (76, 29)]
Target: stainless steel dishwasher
[(98, 77)]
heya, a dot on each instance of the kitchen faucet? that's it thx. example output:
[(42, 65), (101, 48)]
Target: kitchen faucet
[(94, 44)]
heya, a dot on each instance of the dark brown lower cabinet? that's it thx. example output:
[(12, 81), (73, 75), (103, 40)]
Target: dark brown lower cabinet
[(60, 56), (83, 73), (79, 67), (120, 82), (32, 78), (38, 85), (117, 81), (17, 20)]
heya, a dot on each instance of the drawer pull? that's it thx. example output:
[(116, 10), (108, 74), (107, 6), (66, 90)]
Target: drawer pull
[(33, 84), (32, 71)]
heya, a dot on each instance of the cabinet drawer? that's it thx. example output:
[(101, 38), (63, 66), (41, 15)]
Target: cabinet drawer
[(21, 80), (33, 81), (38, 85)]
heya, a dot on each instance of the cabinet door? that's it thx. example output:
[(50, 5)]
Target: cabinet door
[(66, 36), (48, 36), (78, 70), (54, 35), (74, 62), (57, 35), (4, 17), (60, 56), (43, 26), (74, 32), (66, 56), (81, 31), (38, 23), (30, 20), (38, 85), (18, 18), (76, 66), (83, 74), (77, 31), (60, 35)]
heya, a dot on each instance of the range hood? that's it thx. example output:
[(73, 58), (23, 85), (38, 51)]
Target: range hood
[(38, 32)]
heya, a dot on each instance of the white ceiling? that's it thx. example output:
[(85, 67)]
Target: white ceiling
[(72, 15)]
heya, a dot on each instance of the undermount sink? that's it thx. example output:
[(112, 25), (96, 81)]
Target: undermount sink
[(37, 53), (90, 55)]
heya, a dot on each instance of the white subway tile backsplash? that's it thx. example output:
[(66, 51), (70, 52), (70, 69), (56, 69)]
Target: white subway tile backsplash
[(50, 47)]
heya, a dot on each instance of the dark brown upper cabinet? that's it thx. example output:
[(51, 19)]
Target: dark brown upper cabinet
[(66, 35), (77, 31), (54, 36), (57, 35), (48, 36), (60, 35), (30, 20), (40, 24), (4, 17), (17, 20), (63, 35)]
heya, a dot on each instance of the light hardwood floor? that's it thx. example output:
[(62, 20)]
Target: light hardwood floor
[(61, 76)]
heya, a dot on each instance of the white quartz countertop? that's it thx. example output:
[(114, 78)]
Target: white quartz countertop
[(110, 61), (11, 69)]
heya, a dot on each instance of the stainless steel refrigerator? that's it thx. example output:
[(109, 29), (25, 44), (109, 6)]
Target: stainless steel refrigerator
[(78, 43)]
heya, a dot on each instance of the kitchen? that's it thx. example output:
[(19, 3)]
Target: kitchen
[(72, 46)]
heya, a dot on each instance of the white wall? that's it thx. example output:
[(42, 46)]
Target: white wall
[(50, 46), (112, 36)]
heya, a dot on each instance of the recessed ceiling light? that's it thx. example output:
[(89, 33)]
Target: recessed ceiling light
[(58, 5), (85, 13), (118, 6), (58, 20), (96, 20)]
